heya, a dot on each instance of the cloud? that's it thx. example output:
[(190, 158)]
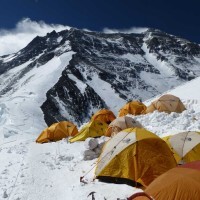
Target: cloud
[(130, 30), (15, 39)]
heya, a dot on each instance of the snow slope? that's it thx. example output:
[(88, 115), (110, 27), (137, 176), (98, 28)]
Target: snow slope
[(22, 103), (30, 171), (188, 92)]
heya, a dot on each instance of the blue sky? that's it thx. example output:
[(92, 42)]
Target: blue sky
[(181, 18)]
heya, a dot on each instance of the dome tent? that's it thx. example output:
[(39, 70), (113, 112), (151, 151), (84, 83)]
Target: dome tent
[(120, 124), (192, 165), (91, 129), (185, 146), (177, 183), (133, 108), (166, 103), (57, 131), (134, 155), (104, 115)]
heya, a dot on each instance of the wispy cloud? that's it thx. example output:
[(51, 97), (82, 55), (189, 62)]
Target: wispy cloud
[(130, 30), (15, 39)]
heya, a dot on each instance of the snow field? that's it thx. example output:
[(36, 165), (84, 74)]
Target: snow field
[(52, 171)]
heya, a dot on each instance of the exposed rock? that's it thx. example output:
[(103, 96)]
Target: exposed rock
[(131, 66)]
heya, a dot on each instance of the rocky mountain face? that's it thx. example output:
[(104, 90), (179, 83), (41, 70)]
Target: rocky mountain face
[(106, 70)]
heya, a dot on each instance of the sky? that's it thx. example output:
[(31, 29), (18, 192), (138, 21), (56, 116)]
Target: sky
[(181, 18)]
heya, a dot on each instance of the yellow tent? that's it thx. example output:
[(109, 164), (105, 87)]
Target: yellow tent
[(133, 108), (185, 146), (120, 124), (57, 131), (104, 115), (166, 103), (92, 129), (136, 155)]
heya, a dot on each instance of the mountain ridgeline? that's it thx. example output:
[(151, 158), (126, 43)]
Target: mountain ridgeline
[(106, 70)]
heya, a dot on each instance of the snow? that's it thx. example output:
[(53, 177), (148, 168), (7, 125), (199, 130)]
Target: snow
[(162, 66), (104, 90), (9, 58), (52, 171), (187, 92), (22, 103), (80, 85), (59, 39), (165, 68), (93, 147), (65, 47), (149, 80), (130, 30), (190, 88), (135, 58)]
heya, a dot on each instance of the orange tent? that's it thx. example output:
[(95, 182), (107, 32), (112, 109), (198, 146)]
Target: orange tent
[(104, 115), (57, 131), (166, 103), (140, 195), (120, 124), (176, 184), (192, 165), (133, 108)]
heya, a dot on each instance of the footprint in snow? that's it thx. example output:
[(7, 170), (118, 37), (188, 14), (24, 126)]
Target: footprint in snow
[(66, 157), (5, 171), (22, 175), (9, 151)]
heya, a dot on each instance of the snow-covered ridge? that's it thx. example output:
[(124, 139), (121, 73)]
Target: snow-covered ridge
[(186, 92), (24, 100)]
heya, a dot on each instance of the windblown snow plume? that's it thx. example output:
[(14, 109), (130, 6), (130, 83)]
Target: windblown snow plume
[(130, 30), (15, 39)]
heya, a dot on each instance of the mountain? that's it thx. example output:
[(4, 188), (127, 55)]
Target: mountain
[(69, 75)]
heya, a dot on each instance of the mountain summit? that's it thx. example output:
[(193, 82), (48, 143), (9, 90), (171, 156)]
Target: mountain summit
[(69, 75)]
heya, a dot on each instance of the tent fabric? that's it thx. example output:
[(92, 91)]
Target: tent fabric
[(140, 195), (57, 131), (104, 115), (92, 129), (175, 184), (185, 146), (192, 165), (166, 103), (120, 124), (135, 154), (133, 108)]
